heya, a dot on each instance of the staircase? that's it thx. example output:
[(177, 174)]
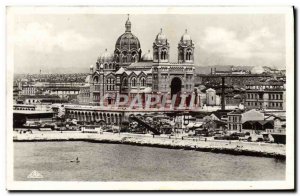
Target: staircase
[(146, 125)]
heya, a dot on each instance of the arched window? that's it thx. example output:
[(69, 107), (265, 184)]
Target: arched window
[(124, 82), (133, 57), (133, 82), (96, 79), (124, 57), (156, 54), (109, 100), (143, 82), (107, 84), (188, 55), (181, 55), (163, 54)]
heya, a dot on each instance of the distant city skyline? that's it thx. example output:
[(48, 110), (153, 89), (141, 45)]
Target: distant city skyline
[(71, 43)]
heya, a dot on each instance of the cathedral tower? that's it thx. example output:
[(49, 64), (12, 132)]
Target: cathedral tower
[(186, 49), (161, 48)]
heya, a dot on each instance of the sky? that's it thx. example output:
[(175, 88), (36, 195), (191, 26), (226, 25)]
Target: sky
[(71, 43)]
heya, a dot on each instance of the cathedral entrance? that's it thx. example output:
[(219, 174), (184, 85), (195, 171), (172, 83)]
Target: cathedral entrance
[(175, 86), (176, 89)]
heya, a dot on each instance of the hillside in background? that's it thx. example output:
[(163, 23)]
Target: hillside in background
[(207, 69)]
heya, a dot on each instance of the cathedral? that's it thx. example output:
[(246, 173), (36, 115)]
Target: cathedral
[(128, 71)]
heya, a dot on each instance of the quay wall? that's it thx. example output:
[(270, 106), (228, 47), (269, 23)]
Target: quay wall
[(226, 147)]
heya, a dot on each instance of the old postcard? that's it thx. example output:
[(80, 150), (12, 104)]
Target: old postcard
[(150, 98)]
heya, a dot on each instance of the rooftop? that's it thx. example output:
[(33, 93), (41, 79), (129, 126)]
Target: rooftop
[(31, 112)]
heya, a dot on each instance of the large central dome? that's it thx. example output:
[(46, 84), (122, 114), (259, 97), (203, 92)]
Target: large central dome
[(128, 47)]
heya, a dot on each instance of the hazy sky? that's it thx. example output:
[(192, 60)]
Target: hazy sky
[(71, 43)]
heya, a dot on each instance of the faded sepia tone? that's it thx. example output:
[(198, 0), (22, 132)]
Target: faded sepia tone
[(152, 96)]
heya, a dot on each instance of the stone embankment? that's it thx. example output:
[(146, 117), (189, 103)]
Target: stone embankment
[(205, 145)]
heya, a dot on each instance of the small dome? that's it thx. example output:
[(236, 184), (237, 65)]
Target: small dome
[(106, 57), (92, 67), (186, 36), (161, 38), (87, 79), (148, 56)]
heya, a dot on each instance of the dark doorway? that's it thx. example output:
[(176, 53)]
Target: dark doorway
[(175, 86), (176, 90)]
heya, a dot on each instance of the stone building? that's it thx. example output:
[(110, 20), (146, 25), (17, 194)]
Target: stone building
[(238, 117), (127, 71), (266, 95), (211, 97)]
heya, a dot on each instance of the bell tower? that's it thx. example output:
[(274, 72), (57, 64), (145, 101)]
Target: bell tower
[(186, 49), (161, 48)]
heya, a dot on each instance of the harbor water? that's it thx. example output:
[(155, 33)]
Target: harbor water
[(56, 161)]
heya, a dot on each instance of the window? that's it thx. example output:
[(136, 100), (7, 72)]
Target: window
[(133, 57), (124, 57), (124, 83), (109, 100), (96, 79), (133, 82), (189, 55), (163, 54), (143, 82)]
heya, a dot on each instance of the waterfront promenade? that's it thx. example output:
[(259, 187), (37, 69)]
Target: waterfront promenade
[(163, 141)]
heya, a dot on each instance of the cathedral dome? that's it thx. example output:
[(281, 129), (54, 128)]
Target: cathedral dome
[(128, 41), (148, 56), (128, 47), (106, 57)]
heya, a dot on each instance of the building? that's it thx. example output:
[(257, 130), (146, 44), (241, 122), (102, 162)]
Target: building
[(266, 95), (84, 94), (238, 117), (256, 126), (28, 89), (233, 71), (211, 97), (20, 118), (280, 124), (128, 72), (24, 107), (39, 102), (65, 92), (16, 91)]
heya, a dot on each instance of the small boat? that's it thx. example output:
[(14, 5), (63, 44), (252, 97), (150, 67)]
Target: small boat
[(75, 161)]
